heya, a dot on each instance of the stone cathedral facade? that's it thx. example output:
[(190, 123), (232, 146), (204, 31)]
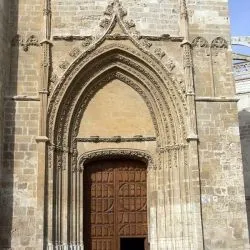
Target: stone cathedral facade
[(119, 126)]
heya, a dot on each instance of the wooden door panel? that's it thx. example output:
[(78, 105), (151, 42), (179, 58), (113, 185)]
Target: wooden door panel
[(115, 202)]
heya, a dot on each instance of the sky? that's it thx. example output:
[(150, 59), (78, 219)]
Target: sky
[(240, 21)]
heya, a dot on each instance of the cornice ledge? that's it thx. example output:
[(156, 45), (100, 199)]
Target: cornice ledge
[(163, 37), (216, 99), (22, 98), (42, 139), (69, 37), (116, 139), (192, 137)]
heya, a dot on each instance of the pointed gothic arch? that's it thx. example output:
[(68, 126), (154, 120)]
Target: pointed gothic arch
[(133, 68), (166, 102)]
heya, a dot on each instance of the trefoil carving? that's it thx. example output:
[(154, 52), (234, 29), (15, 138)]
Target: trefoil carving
[(200, 42), (219, 43)]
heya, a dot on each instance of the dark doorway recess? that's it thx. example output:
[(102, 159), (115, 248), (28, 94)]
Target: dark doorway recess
[(132, 244)]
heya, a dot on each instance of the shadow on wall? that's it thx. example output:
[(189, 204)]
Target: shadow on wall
[(244, 123), (10, 10)]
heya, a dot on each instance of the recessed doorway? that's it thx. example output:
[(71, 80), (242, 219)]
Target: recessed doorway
[(115, 205)]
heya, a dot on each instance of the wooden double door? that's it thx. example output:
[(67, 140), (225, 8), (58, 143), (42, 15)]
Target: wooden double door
[(115, 205)]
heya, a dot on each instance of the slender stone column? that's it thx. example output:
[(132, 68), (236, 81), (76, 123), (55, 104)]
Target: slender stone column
[(193, 173), (42, 139), (41, 146)]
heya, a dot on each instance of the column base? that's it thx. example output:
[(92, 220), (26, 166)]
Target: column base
[(65, 247)]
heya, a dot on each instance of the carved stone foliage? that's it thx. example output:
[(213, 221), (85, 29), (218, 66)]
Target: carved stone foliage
[(146, 43), (170, 64), (219, 43), (75, 52), (52, 82), (129, 24), (200, 42), (32, 40), (159, 53), (87, 41), (105, 23), (64, 65)]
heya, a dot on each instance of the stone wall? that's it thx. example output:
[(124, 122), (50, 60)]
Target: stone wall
[(82, 18), (4, 83), (19, 184), (209, 18), (221, 175), (4, 62)]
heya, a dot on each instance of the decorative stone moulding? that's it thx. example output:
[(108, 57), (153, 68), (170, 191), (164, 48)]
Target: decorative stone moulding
[(116, 139), (32, 40), (142, 155)]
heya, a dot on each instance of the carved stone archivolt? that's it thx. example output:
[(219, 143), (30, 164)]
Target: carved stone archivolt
[(114, 154)]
